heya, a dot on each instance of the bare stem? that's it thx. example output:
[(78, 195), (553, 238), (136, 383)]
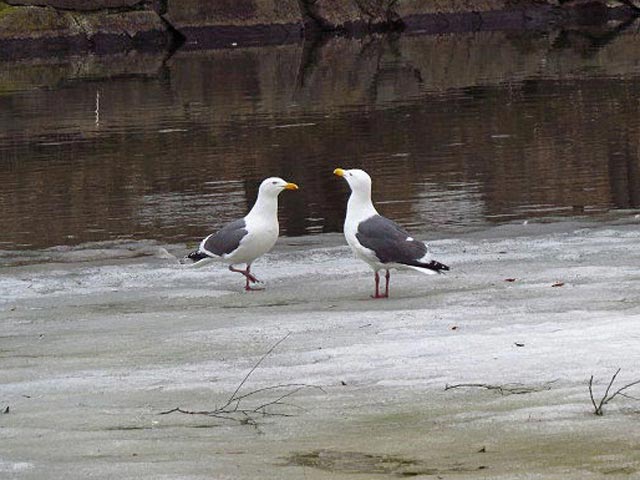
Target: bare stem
[(244, 380), (506, 389), (607, 397), (232, 410), (593, 400)]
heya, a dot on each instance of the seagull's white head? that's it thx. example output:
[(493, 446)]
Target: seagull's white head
[(272, 186), (358, 180)]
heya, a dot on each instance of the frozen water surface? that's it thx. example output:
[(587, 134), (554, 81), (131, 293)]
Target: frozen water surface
[(98, 339)]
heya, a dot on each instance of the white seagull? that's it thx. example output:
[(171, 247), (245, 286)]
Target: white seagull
[(380, 242), (248, 238)]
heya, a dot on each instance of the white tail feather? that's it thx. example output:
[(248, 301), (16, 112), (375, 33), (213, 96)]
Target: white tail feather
[(426, 271), (199, 263)]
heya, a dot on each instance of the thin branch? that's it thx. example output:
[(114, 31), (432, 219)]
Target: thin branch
[(192, 412), (607, 397), (606, 392), (474, 385), (244, 380), (620, 390), (506, 389), (277, 400), (275, 387), (593, 400), (232, 408), (628, 396)]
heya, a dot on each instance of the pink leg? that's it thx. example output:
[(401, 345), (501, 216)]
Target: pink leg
[(377, 295), (386, 287), (248, 276)]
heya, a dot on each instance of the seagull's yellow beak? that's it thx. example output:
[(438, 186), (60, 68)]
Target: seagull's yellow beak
[(339, 172), (291, 186)]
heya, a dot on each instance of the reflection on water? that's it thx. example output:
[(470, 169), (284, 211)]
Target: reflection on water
[(457, 131)]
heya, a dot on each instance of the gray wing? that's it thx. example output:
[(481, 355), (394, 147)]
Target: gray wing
[(225, 240), (390, 242)]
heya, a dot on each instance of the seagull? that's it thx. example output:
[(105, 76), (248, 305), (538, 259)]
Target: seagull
[(378, 241), (246, 239)]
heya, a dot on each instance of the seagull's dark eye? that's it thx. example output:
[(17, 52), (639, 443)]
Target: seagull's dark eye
[(274, 183)]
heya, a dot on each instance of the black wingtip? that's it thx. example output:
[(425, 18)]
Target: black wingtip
[(196, 256), (435, 266)]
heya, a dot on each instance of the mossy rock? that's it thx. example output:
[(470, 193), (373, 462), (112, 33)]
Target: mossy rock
[(4, 8), (34, 22), (200, 13), (47, 27), (77, 5), (129, 23)]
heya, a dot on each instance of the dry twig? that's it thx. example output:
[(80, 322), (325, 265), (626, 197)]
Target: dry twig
[(606, 398), (234, 409), (506, 389)]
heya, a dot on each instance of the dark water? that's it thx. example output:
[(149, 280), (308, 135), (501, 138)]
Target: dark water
[(456, 130)]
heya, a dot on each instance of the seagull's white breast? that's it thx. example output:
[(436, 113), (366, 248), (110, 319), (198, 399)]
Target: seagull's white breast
[(262, 235), (360, 251), (358, 212)]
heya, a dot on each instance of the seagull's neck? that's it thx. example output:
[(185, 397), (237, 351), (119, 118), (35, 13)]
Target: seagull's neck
[(360, 206), (265, 209)]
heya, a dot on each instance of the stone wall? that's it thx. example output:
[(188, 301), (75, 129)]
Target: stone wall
[(349, 14), (104, 25), (199, 13), (78, 5), (225, 22), (27, 29)]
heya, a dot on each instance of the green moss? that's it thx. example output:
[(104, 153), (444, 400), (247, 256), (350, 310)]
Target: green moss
[(4, 8), (21, 22)]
